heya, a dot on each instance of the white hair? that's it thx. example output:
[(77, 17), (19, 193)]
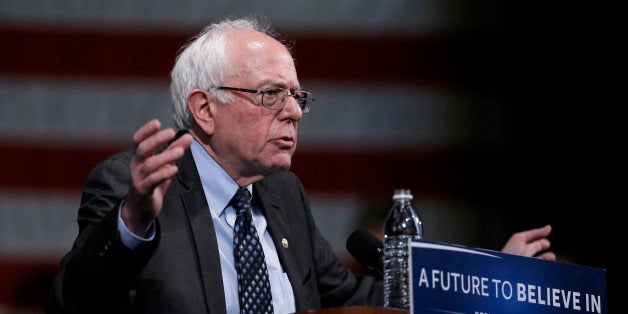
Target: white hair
[(203, 63)]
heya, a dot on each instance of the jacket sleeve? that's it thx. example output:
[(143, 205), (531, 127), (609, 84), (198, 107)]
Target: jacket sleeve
[(97, 275)]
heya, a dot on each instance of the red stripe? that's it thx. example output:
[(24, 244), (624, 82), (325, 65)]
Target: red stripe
[(24, 284), (25, 167), (362, 172), (409, 59)]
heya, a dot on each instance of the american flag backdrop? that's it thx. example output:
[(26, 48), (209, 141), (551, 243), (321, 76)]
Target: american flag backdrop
[(413, 94)]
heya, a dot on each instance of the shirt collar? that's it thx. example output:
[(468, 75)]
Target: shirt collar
[(218, 186)]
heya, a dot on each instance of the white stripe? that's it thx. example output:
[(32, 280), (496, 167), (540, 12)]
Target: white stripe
[(342, 115), (70, 111), (37, 223), (450, 248), (42, 224)]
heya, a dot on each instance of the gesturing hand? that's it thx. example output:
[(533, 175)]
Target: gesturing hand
[(531, 243), (151, 174)]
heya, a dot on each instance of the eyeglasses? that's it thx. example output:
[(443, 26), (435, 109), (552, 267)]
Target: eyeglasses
[(276, 98)]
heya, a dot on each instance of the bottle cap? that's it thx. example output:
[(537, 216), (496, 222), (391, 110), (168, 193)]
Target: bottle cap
[(402, 194)]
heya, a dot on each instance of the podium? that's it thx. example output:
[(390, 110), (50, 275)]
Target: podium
[(448, 278), (356, 310)]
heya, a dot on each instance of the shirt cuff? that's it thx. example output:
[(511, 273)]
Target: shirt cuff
[(128, 238)]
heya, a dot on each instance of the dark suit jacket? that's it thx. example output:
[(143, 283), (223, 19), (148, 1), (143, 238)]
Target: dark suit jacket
[(180, 271)]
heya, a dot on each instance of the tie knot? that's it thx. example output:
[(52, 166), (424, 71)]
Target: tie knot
[(241, 200)]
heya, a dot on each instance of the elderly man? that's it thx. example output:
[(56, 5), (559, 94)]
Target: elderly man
[(209, 219)]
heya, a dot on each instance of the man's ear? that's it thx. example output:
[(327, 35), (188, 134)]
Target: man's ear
[(200, 108)]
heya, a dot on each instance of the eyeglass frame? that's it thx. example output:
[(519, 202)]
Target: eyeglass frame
[(304, 109)]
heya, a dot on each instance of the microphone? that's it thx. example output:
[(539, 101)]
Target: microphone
[(368, 250)]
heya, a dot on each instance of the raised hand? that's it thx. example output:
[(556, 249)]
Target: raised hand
[(531, 243), (151, 174)]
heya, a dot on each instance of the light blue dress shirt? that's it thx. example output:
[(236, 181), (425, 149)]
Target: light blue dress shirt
[(219, 188)]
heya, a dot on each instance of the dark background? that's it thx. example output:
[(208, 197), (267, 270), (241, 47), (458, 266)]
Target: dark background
[(561, 148)]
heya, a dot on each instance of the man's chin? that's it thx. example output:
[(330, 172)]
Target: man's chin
[(281, 164)]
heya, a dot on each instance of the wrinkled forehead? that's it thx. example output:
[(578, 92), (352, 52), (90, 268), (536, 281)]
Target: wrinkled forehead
[(250, 51)]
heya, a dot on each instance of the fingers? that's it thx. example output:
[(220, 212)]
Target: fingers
[(149, 138), (184, 142), (161, 166), (147, 130), (151, 171), (531, 243), (152, 167), (154, 177), (538, 248), (548, 256), (162, 162), (538, 233), (533, 248)]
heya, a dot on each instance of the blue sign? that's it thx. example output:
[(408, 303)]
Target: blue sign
[(454, 279)]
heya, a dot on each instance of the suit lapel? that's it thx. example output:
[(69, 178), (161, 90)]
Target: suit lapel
[(202, 227), (281, 232)]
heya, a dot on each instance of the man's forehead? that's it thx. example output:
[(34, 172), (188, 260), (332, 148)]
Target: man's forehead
[(249, 41), (258, 57), (259, 50), (255, 45)]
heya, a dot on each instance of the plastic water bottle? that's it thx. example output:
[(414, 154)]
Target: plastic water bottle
[(402, 224)]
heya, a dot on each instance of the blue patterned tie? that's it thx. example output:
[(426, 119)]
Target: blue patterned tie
[(253, 283)]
